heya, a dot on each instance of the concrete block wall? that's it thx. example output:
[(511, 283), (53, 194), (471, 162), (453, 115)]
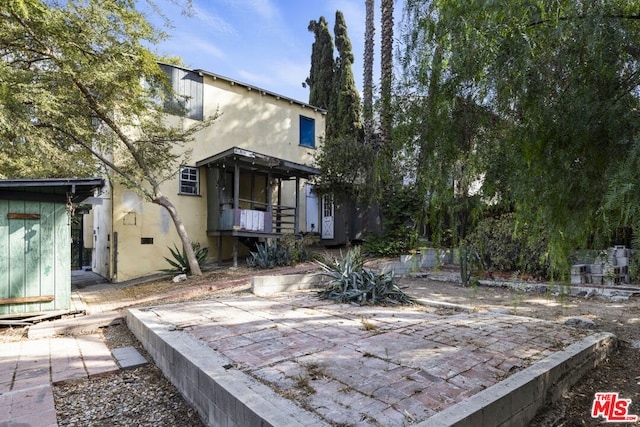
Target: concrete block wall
[(611, 268), (222, 395)]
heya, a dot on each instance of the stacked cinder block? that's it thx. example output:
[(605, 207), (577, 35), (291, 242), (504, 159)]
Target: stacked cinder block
[(609, 268)]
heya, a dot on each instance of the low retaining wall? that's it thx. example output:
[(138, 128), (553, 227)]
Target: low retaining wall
[(268, 285), (222, 395)]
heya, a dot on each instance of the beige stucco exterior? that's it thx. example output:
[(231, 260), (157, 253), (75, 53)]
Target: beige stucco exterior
[(131, 237)]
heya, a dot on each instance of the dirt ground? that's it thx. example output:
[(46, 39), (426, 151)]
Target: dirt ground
[(621, 373)]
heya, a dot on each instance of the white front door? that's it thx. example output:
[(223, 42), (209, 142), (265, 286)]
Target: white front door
[(312, 210), (328, 212)]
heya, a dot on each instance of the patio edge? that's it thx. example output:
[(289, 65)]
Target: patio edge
[(222, 394), (516, 400)]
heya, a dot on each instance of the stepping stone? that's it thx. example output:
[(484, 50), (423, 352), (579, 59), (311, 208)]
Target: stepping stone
[(128, 357)]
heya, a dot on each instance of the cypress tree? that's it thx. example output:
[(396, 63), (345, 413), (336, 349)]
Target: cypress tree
[(347, 106), (320, 80)]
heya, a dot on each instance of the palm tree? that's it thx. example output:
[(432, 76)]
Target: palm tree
[(368, 73)]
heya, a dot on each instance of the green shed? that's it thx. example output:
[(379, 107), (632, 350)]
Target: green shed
[(35, 241)]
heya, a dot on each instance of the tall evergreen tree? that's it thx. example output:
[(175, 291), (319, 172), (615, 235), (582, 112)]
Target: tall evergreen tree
[(320, 80), (347, 109)]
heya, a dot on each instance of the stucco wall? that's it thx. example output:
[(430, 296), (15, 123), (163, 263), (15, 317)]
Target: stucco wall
[(249, 119)]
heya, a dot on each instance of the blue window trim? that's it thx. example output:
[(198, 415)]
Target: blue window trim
[(307, 132)]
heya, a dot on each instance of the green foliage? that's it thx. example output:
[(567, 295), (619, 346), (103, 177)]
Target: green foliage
[(502, 244), (351, 282), (470, 265), (180, 262), (347, 120), (80, 90), (331, 82), (540, 99), (298, 247), (320, 80), (270, 254), (343, 171), (399, 213)]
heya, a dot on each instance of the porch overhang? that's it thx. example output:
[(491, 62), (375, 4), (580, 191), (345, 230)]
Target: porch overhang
[(250, 160)]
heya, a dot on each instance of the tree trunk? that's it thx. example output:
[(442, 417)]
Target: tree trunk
[(368, 73), (386, 71), (182, 232)]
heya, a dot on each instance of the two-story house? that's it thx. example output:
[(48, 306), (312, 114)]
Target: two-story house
[(246, 180)]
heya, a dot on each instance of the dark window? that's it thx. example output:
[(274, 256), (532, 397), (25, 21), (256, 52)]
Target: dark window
[(146, 240), (189, 181), (307, 132), (188, 88)]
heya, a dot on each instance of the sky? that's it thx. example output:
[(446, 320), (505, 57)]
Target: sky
[(264, 43)]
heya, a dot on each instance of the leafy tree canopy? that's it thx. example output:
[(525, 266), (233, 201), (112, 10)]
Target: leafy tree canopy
[(559, 86), (80, 91)]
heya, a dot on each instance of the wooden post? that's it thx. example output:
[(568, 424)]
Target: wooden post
[(236, 190), (236, 206), (269, 201), (235, 251), (296, 226)]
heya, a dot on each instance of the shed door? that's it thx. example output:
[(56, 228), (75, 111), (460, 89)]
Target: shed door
[(328, 217), (312, 210)]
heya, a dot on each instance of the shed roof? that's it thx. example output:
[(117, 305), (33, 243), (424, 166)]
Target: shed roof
[(54, 190)]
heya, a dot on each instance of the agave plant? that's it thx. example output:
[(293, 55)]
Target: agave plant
[(180, 263), (268, 255), (351, 282)]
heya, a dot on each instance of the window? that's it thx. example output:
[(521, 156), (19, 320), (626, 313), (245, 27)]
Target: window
[(189, 181), (307, 132), (188, 88)]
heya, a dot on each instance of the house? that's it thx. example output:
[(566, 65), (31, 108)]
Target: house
[(247, 180), (35, 241)]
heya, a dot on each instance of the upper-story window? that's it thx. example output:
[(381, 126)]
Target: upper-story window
[(307, 132), (189, 181), (188, 86)]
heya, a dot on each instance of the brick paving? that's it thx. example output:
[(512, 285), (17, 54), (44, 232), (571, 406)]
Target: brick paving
[(29, 368), (386, 365)]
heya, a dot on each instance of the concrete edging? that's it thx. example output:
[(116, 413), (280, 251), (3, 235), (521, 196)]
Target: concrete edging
[(222, 394), (268, 285), (516, 400)]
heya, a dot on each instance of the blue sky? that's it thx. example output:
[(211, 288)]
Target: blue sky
[(264, 43)]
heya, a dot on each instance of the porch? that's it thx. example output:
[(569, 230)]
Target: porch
[(252, 196)]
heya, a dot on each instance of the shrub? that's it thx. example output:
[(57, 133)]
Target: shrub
[(398, 222), (351, 282), (298, 247), (180, 264), (269, 254), (505, 246)]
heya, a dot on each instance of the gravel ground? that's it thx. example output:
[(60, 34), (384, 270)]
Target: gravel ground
[(134, 397)]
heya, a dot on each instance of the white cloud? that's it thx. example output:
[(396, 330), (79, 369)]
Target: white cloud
[(213, 22)]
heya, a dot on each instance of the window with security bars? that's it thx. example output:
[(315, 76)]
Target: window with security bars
[(189, 181)]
